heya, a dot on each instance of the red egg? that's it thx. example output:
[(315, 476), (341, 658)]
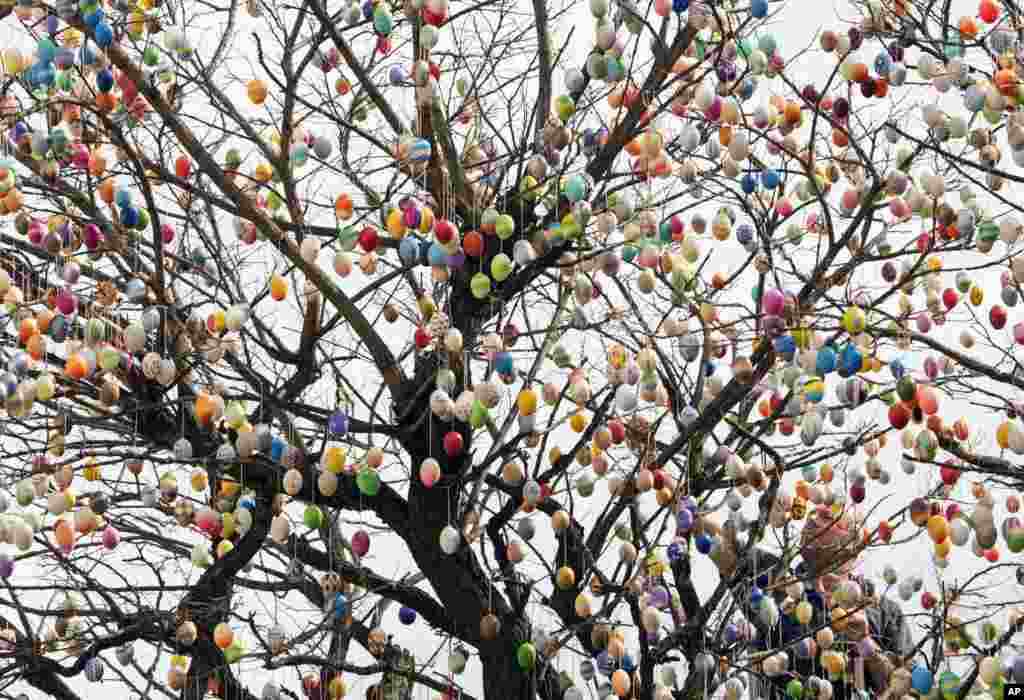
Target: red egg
[(949, 475), (444, 231), (899, 416), (950, 298), (368, 239), (928, 600), (453, 444), (422, 338), (992, 555), (858, 493), (997, 317), (618, 431)]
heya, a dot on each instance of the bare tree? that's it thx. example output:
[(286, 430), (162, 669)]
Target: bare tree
[(318, 316)]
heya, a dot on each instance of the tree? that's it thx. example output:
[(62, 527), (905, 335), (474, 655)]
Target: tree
[(730, 279)]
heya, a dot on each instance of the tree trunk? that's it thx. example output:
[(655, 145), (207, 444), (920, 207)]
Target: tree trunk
[(504, 679)]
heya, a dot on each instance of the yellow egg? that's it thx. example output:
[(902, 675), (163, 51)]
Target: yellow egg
[(566, 578), (334, 459), (1003, 435), (577, 422), (526, 402), (264, 172)]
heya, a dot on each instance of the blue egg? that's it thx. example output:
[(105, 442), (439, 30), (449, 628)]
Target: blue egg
[(703, 543), (340, 605), (825, 361), (123, 198), (921, 679), (93, 17), (277, 449), (105, 80), (129, 216), (883, 63), (407, 616), (748, 86), (503, 363), (770, 178), (850, 362), (616, 69), (437, 255), (47, 50), (749, 183), (785, 345), (897, 369), (104, 35), (756, 595), (628, 664), (759, 9), (409, 250), (680, 5)]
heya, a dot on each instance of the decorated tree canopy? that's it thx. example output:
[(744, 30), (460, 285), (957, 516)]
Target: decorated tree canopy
[(511, 350)]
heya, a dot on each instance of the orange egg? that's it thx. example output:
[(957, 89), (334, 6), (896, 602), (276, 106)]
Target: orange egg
[(278, 288), (634, 148), (839, 138), (343, 207), (13, 201), (257, 91), (204, 408), (106, 191), (36, 347), (76, 367), (27, 329), (106, 101), (64, 533), (43, 319), (223, 636), (1006, 81), (792, 112), (968, 27), (725, 135)]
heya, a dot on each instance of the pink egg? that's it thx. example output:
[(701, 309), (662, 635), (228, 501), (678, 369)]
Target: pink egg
[(361, 543), (773, 302)]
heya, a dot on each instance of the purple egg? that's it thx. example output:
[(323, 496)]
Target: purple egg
[(659, 597), (396, 75), (6, 566), (71, 272), (67, 303), (92, 236), (456, 261), (732, 633), (338, 422), (684, 521)]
